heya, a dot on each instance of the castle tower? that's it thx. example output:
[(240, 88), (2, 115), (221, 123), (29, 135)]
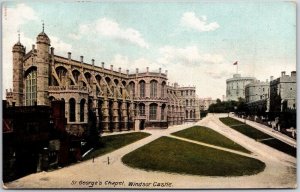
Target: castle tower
[(18, 56), (43, 66)]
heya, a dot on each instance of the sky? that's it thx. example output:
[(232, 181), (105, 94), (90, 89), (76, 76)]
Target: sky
[(196, 41)]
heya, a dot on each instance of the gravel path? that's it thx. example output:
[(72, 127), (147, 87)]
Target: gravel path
[(280, 171)]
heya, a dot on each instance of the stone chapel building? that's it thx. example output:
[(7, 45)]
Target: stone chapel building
[(121, 101)]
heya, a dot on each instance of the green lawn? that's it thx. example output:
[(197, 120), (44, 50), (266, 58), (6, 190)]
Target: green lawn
[(173, 155), (244, 128), (113, 142), (209, 136), (259, 136)]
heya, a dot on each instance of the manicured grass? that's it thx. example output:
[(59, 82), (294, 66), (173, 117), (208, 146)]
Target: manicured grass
[(209, 136), (244, 128), (173, 155), (258, 135), (113, 142), (281, 146)]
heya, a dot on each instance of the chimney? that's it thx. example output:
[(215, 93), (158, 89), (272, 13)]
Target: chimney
[(127, 72), (52, 50), (166, 72), (69, 55), (111, 67), (120, 69), (93, 62), (137, 70), (81, 59), (282, 73), (293, 74), (102, 63), (159, 70), (147, 69), (33, 47), (271, 78)]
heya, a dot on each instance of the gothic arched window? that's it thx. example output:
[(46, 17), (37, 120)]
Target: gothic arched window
[(76, 74), (132, 89), (142, 109), (142, 88), (31, 88), (163, 85), (82, 104), (72, 104), (153, 111), (153, 88)]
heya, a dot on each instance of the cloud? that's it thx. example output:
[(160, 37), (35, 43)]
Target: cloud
[(74, 36), (189, 56), (190, 20), (141, 63), (189, 66), (110, 28), (13, 20), (186, 66), (59, 45), (218, 74)]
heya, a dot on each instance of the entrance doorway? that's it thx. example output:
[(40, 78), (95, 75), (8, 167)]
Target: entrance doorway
[(142, 124)]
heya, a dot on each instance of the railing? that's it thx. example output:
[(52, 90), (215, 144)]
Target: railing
[(140, 117), (68, 87)]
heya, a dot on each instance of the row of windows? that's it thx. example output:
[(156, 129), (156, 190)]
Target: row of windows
[(61, 72), (142, 89), (152, 111), (191, 103), (186, 93), (192, 114)]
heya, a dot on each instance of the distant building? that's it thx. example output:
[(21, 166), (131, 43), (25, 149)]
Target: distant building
[(187, 96), (283, 92), (278, 95), (235, 87), (257, 95), (204, 103), (257, 90)]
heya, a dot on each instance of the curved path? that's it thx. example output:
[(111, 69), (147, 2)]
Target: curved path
[(280, 171)]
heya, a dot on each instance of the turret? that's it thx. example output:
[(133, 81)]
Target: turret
[(43, 44), (43, 67), (18, 86)]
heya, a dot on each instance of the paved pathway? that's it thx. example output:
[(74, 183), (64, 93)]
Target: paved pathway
[(280, 171)]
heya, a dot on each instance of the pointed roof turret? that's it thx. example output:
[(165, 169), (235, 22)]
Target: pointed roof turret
[(43, 37), (18, 47)]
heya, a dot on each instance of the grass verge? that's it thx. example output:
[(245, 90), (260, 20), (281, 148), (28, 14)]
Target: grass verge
[(259, 136), (113, 142), (209, 136), (173, 155)]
